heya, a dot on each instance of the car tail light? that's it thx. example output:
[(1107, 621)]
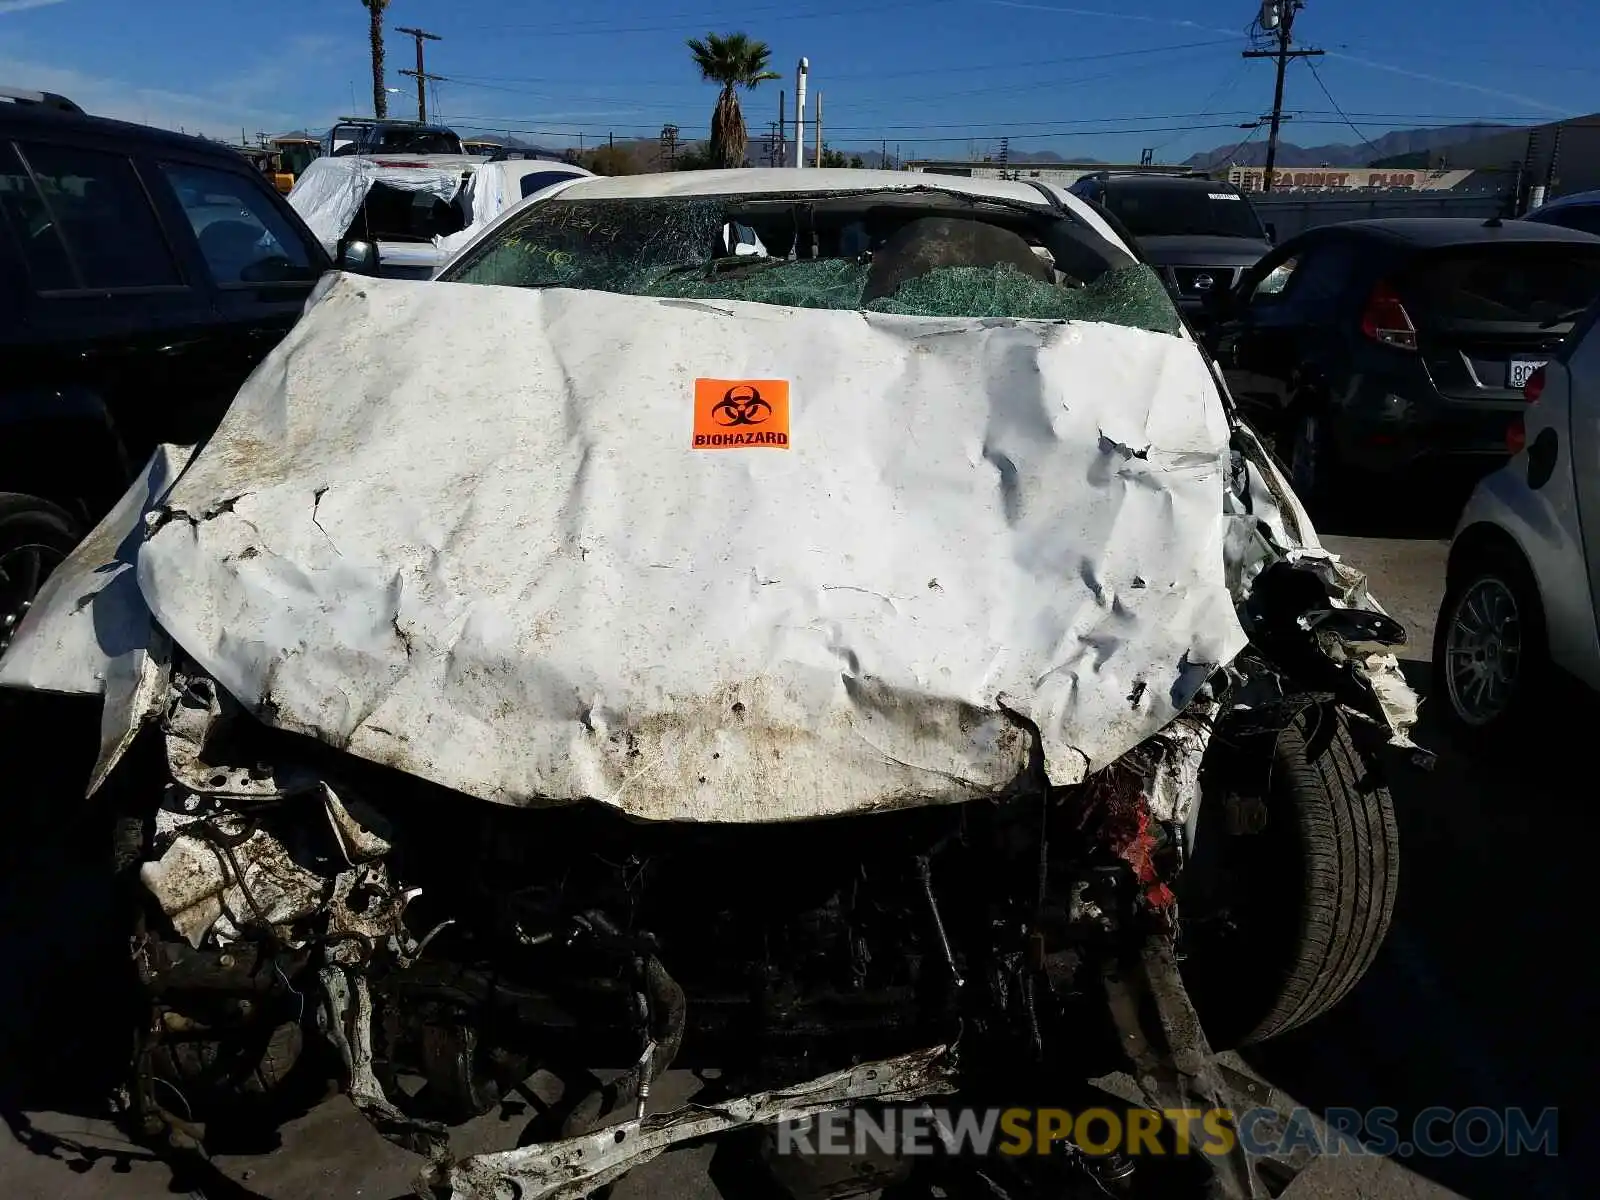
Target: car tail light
[(1534, 388), (1385, 319), (1516, 435)]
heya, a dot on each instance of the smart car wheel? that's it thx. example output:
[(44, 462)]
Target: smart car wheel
[(1489, 644), (35, 536)]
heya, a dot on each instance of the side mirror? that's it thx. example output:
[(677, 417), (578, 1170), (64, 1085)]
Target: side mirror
[(359, 258), (1272, 234)]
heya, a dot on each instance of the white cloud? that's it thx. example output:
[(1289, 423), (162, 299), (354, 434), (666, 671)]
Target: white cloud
[(251, 99), (1525, 101), (1175, 22), (11, 6)]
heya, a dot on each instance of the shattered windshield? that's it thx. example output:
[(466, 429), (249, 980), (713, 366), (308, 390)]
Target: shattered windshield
[(892, 253)]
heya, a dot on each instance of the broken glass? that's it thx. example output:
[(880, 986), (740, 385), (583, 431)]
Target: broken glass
[(669, 247)]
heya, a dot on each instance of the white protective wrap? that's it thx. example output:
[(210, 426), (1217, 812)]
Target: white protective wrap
[(461, 530), (495, 187), (330, 191)]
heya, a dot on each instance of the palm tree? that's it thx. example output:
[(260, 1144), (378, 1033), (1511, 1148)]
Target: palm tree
[(734, 61), (380, 98)]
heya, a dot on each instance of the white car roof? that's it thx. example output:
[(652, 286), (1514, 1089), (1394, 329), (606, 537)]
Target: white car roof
[(745, 181)]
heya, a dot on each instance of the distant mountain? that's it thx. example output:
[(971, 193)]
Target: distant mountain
[(1345, 154)]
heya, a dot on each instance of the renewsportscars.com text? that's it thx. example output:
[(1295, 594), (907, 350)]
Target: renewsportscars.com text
[(1434, 1132)]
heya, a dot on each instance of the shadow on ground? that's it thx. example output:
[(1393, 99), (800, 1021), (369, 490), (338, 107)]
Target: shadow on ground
[(1482, 995)]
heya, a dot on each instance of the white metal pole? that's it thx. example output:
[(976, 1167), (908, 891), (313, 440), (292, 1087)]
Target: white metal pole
[(800, 113)]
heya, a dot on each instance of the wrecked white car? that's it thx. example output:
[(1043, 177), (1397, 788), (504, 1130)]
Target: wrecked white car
[(827, 627)]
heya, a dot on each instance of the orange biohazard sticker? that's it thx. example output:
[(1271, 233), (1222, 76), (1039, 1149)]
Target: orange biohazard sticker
[(730, 414)]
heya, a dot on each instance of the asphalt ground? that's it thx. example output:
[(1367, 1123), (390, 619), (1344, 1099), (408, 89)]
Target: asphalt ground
[(1481, 997)]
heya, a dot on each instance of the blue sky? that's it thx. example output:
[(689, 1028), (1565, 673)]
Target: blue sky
[(938, 78)]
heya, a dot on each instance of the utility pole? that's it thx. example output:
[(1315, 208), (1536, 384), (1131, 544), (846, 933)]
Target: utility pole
[(819, 129), (669, 147), (1005, 157), (421, 73), (1276, 23), (783, 134)]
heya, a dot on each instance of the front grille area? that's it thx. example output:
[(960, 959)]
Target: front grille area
[(1189, 279)]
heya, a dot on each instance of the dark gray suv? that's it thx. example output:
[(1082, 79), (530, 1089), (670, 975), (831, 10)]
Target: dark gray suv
[(1198, 233)]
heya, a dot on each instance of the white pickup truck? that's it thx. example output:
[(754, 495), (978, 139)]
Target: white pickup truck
[(415, 209)]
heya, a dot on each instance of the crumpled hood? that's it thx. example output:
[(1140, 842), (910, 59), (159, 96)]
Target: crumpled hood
[(465, 531)]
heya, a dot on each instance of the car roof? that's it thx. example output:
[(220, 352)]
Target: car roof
[(1576, 200), (744, 181), (38, 121), (1164, 181), (1426, 233)]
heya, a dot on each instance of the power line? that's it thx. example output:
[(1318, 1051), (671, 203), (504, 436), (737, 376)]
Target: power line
[(606, 29), (1317, 75)]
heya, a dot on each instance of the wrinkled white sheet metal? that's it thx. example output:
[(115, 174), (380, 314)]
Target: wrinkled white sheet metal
[(330, 191), (88, 621), (460, 530), (89, 631)]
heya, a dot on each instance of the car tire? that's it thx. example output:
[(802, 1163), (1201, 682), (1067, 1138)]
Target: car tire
[(1312, 883), (35, 536), (1491, 605)]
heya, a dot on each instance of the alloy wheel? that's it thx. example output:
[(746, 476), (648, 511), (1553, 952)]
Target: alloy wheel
[(1483, 651)]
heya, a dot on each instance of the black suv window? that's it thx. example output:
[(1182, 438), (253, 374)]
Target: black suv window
[(242, 235), (97, 205), (23, 209), (1167, 209)]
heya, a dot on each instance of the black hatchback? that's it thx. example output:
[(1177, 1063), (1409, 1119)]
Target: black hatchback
[(1380, 348), (143, 276)]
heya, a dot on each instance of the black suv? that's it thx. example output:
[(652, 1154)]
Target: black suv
[(143, 275), (1198, 233)]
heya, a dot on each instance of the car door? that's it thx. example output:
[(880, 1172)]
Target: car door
[(111, 307), (1286, 328), (1583, 383), (1255, 341), (258, 262)]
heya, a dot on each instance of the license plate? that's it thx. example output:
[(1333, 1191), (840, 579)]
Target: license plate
[(1520, 371)]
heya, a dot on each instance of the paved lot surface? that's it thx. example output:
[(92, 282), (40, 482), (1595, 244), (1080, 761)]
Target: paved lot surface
[(1481, 995)]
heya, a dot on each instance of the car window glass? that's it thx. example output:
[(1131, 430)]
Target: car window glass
[(1317, 280), (1166, 210), (957, 266), (242, 235), (22, 208), (1271, 287), (101, 211), (1537, 284), (536, 181)]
